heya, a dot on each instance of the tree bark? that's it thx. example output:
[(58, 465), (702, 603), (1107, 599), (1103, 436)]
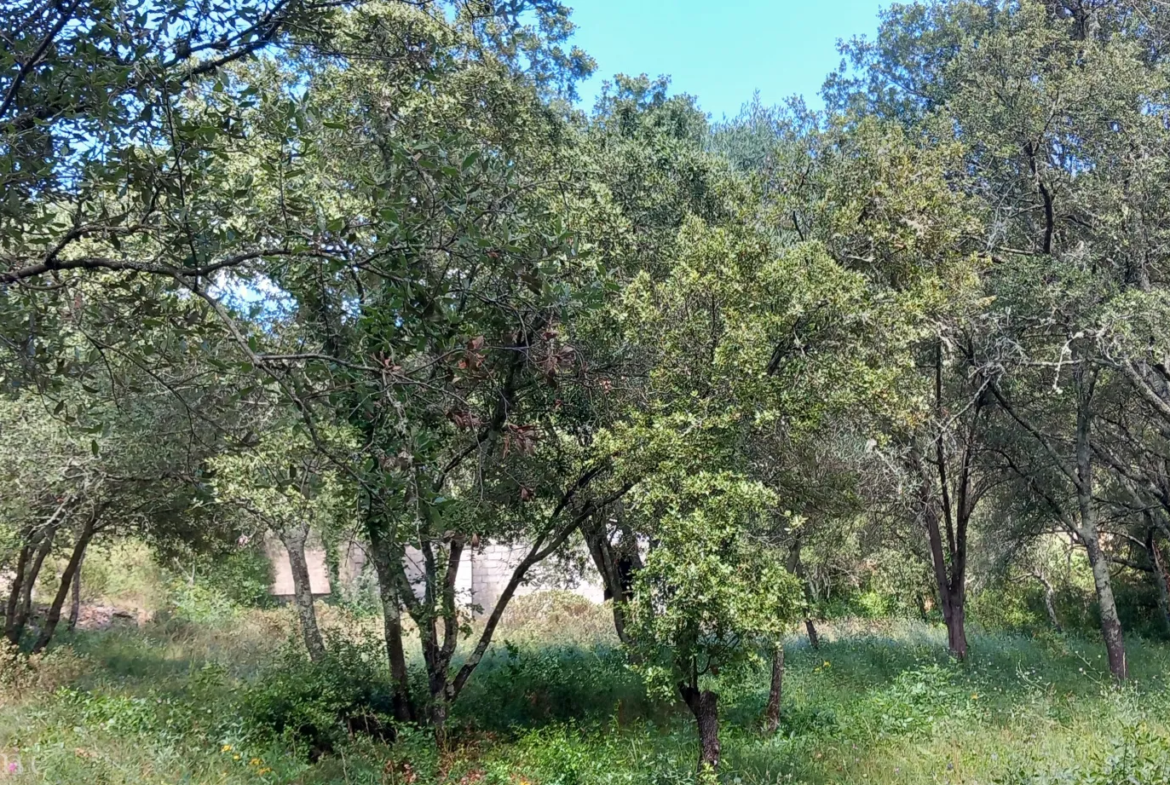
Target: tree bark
[(617, 566), (54, 617), (957, 630), (294, 543), (814, 639), (75, 601), (1049, 604), (403, 706), (28, 579), (13, 630), (1085, 380), (704, 704), (1161, 579), (796, 567), (1110, 622), (950, 601), (775, 692)]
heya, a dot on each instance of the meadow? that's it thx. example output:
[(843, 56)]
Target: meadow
[(220, 700)]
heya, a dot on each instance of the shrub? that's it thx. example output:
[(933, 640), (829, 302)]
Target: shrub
[(24, 676), (315, 706)]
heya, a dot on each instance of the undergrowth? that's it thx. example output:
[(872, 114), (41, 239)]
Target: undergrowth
[(234, 701)]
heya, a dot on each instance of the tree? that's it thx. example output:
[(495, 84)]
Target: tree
[(283, 484), (709, 597)]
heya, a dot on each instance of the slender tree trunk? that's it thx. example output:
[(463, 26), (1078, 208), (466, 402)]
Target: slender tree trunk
[(44, 546), (950, 602), (1161, 579), (775, 692), (1110, 621), (75, 602), (617, 567), (1049, 603), (392, 626), (24, 612), (294, 543), (814, 638), (54, 617), (13, 630), (796, 567), (704, 704), (1085, 379)]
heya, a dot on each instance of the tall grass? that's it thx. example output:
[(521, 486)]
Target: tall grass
[(554, 704)]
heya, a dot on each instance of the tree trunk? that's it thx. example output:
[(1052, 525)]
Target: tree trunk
[(294, 544), (617, 566), (1049, 604), (392, 626), (814, 639), (24, 611), (54, 617), (1161, 579), (796, 567), (28, 579), (1085, 381), (772, 711), (956, 630), (75, 602), (13, 631), (704, 704), (1110, 622), (950, 602)]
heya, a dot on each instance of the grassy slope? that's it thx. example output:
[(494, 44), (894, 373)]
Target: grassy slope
[(874, 705)]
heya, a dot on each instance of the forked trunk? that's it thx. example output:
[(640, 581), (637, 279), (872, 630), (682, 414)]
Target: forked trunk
[(775, 693), (950, 597), (403, 707), (294, 543), (54, 617), (24, 610), (704, 704), (12, 631)]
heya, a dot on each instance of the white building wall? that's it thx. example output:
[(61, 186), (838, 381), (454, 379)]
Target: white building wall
[(484, 573)]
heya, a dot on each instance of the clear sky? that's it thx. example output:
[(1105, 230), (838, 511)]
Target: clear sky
[(721, 50)]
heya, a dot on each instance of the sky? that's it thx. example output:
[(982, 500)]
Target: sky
[(721, 51)]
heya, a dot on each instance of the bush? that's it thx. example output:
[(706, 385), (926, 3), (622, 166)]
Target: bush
[(25, 676), (315, 706), (528, 685)]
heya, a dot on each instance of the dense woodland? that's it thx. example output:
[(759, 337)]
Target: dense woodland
[(333, 269)]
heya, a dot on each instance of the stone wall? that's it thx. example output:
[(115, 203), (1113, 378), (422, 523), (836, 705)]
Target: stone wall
[(282, 582), (484, 573)]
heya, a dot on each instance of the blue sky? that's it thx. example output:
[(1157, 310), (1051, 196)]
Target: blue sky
[(721, 51)]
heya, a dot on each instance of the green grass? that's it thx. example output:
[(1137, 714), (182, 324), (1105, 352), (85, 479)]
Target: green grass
[(877, 703)]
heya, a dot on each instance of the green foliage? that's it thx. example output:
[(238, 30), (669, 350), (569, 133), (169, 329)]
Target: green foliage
[(534, 684), (708, 597), (877, 702), (315, 706)]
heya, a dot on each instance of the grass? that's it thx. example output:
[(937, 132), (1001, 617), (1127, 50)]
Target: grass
[(554, 705)]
